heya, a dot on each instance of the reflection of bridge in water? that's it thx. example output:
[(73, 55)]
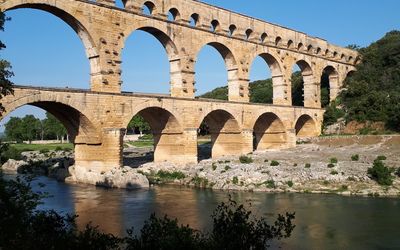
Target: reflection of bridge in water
[(96, 119)]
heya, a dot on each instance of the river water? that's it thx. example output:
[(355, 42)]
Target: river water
[(323, 221)]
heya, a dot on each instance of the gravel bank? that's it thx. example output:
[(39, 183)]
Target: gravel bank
[(346, 177)]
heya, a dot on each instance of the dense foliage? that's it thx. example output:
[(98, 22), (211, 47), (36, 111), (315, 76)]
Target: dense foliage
[(5, 73), (381, 173), (373, 91), (31, 128), (22, 226), (137, 123)]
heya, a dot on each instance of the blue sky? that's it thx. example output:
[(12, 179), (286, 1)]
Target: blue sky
[(44, 51)]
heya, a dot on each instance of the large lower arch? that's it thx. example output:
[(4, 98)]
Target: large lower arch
[(168, 134), (306, 127), (269, 132), (226, 135)]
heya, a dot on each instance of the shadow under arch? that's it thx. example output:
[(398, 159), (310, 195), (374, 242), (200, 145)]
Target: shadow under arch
[(269, 132), (167, 133), (306, 127), (330, 84), (226, 135), (309, 89), (79, 26), (78, 125)]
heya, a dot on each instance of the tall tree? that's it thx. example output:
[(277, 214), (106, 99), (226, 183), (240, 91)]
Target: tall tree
[(5, 72), (53, 128), (138, 122), (14, 129)]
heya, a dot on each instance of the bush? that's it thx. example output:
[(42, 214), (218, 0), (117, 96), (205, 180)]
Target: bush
[(381, 157), (11, 153), (334, 160), (235, 180), (381, 173), (43, 151), (331, 165), (333, 172), (274, 163), (214, 166), (165, 175), (308, 165), (289, 183), (227, 167), (58, 148), (266, 160), (245, 159), (295, 165), (355, 157)]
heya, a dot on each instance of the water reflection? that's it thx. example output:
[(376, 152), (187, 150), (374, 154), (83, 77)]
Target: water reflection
[(322, 221)]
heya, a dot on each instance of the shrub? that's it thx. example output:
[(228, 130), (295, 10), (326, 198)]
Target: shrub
[(295, 165), (333, 172), (274, 163), (334, 160), (58, 148), (43, 151), (326, 182), (235, 180), (227, 167), (345, 187), (245, 159), (11, 153), (308, 165), (381, 173), (355, 157), (289, 183), (331, 165), (227, 161), (381, 157), (165, 175), (199, 181), (266, 160), (214, 166)]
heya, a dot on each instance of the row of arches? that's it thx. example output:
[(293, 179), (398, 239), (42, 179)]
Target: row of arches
[(300, 44)]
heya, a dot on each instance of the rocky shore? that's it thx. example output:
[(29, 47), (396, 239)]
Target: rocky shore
[(316, 165)]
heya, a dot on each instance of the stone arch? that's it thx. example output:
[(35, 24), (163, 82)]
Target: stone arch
[(319, 51), (333, 85), (290, 44), (175, 14), (263, 37), (215, 26), (230, 62), (278, 41), (310, 49), (306, 126), (248, 34), (150, 6), (300, 47), (169, 47), (269, 132), (309, 87), (226, 134), (82, 28), (167, 133), (232, 30), (196, 19), (80, 126), (277, 77)]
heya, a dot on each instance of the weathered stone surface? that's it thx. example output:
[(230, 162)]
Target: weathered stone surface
[(13, 165), (116, 177)]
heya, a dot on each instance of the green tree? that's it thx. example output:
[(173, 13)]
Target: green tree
[(14, 129), (381, 173), (29, 125), (53, 128), (297, 89), (261, 91), (138, 122), (5, 84), (373, 92)]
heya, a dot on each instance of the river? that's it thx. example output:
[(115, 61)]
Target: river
[(323, 221)]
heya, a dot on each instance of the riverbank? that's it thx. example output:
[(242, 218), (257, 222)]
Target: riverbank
[(304, 169)]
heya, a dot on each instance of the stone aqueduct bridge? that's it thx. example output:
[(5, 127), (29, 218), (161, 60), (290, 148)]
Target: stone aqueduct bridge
[(96, 118)]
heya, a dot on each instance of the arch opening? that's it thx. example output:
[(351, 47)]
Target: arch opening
[(302, 85), (152, 72), (71, 68), (195, 20), (159, 127), (261, 90), (217, 70), (173, 15), (148, 8), (269, 132), (215, 27), (225, 134), (329, 85), (306, 127), (232, 29)]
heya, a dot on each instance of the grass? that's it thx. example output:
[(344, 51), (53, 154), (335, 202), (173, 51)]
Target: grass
[(40, 147), (142, 143)]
